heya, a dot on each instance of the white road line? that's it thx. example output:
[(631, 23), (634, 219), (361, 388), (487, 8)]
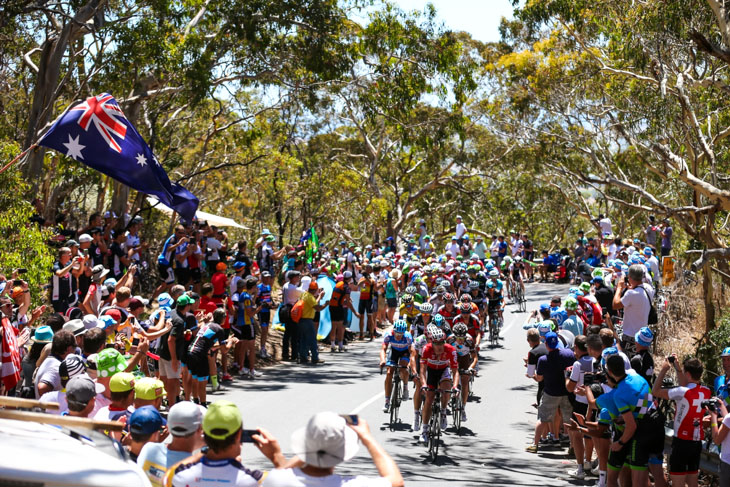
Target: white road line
[(368, 402)]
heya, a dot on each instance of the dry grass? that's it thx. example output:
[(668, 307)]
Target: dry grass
[(682, 324)]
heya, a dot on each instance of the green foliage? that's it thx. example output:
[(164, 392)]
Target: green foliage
[(710, 348), (22, 243)]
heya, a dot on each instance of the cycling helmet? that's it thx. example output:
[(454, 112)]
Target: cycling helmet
[(490, 284), (465, 307), (347, 275), (439, 290), (448, 297), (571, 304), (473, 285), (400, 326), (411, 290), (430, 329), (426, 308), (573, 290), (437, 335), (460, 330), (489, 266), (494, 273), (725, 352), (518, 258), (438, 320), (407, 299), (465, 298)]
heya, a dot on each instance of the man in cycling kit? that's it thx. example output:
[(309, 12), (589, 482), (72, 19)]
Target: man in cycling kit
[(467, 359), (439, 365), (467, 318), (419, 343), (516, 270), (408, 310), (420, 322), (448, 310), (495, 302), (401, 343)]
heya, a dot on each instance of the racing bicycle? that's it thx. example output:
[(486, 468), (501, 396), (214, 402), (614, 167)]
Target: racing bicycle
[(494, 323), (434, 426), (519, 297), (396, 394)]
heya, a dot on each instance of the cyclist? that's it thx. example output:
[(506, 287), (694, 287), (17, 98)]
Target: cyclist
[(420, 322), (467, 357), (419, 343), (401, 343), (441, 323), (516, 270), (494, 277), (722, 383), (473, 326), (413, 291), (495, 302), (448, 311), (477, 297), (439, 366), (408, 310)]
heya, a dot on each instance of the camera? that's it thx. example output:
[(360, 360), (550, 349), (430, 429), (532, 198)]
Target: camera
[(671, 359), (591, 378), (711, 405)]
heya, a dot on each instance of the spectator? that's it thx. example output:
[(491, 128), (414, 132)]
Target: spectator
[(92, 302), (290, 295), (551, 369), (81, 394), (642, 362), (572, 323), (603, 294), (583, 365), (11, 364), (634, 297), (184, 422), (604, 223), (222, 429), (307, 330), (537, 350), (651, 232), (245, 328), (71, 367), (242, 256), (172, 349), (666, 233), (47, 377), (121, 386), (460, 232), (63, 285), (721, 438), (684, 462), (145, 425), (148, 391), (324, 443)]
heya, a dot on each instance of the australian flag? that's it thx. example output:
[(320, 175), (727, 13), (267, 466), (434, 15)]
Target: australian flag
[(97, 133)]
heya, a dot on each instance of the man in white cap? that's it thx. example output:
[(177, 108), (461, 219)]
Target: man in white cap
[(324, 443), (460, 231), (184, 421)]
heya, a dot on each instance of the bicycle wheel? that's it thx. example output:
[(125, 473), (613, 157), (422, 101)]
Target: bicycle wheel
[(456, 411), (434, 435), (523, 301), (471, 385), (395, 402)]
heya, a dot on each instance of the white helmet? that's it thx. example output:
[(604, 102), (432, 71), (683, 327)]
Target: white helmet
[(437, 335)]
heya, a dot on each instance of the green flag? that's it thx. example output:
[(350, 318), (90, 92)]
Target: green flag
[(312, 245)]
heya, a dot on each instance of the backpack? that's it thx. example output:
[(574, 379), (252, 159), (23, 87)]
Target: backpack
[(653, 318), (296, 311)]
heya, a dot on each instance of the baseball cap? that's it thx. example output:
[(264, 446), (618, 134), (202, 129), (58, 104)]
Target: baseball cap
[(644, 336), (145, 421), (221, 266), (164, 300), (266, 274), (223, 416), (184, 418), (71, 366), (149, 389), (585, 287), (571, 304), (544, 307), (184, 300), (76, 327), (142, 300), (106, 321), (239, 265), (110, 282), (115, 314), (85, 237), (325, 441), (109, 361), (313, 286), (72, 243), (43, 334), (122, 382), (90, 321), (597, 279), (135, 303), (551, 340), (81, 389)]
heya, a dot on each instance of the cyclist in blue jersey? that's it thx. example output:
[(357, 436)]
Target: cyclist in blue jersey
[(166, 258), (401, 345)]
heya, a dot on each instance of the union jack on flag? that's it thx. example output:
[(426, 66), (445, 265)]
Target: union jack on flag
[(95, 132)]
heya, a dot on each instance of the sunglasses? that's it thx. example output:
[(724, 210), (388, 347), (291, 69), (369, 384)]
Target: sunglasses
[(441, 342)]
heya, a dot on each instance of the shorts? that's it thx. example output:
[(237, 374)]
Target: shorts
[(631, 455), (199, 367), (365, 306), (464, 361), (196, 275), (580, 408), (166, 369), (264, 319), (549, 406), (183, 275), (244, 332), (166, 273), (337, 313), (685, 457), (396, 356), (529, 255), (552, 268), (392, 302), (434, 377)]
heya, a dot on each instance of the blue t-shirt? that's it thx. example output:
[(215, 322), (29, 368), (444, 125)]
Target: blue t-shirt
[(552, 369), (573, 324), (265, 297), (721, 388), (165, 257), (633, 394), (400, 345), (502, 249), (609, 413), (559, 315)]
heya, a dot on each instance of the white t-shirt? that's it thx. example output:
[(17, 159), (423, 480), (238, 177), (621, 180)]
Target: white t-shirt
[(516, 246), (612, 249), (460, 230), (155, 459), (48, 373), (131, 242), (636, 308), (606, 227), (234, 284), (578, 372), (454, 248), (725, 447), (55, 396), (494, 249), (291, 293), (214, 245), (294, 477), (653, 265)]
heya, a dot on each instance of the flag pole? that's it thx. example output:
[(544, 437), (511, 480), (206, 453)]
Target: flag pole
[(19, 156)]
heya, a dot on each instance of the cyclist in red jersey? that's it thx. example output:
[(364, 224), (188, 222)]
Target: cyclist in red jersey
[(449, 310), (472, 323), (467, 358), (438, 366)]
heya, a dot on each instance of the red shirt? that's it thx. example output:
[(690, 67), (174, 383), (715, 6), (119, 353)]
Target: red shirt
[(447, 358), (471, 322), (218, 280), (207, 304), (448, 315)]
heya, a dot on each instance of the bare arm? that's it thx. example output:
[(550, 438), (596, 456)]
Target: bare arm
[(383, 462)]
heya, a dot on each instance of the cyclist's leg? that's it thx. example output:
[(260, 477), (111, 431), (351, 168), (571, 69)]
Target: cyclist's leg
[(404, 371), (389, 382), (427, 407), (464, 389)]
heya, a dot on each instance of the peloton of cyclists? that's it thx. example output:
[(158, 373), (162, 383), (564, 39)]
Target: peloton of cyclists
[(401, 344)]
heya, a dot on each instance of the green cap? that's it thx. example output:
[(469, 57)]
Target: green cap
[(184, 300), (585, 287), (223, 416), (122, 382), (571, 304), (109, 361), (148, 388)]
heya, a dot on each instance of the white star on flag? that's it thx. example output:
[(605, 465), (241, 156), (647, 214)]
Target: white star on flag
[(74, 147), (141, 160)]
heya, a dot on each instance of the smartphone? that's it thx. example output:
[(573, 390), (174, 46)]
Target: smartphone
[(352, 419), (671, 359), (21, 270), (246, 436), (135, 341), (17, 282)]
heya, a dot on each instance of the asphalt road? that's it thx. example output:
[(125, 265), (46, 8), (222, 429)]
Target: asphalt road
[(490, 450)]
